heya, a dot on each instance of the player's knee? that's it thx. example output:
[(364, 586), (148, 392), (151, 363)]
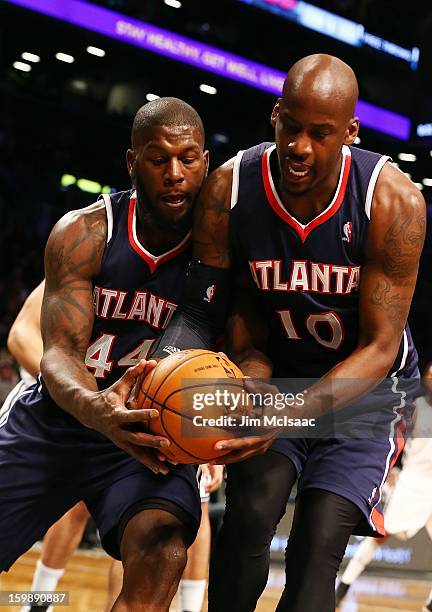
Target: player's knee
[(155, 543), (258, 523)]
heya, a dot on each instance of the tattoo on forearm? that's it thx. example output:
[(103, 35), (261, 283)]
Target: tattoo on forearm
[(395, 305), (403, 242)]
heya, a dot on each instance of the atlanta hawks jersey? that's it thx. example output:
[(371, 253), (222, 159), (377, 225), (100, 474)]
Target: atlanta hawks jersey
[(307, 276), (135, 293)]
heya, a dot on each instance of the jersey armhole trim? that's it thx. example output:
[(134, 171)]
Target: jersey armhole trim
[(372, 184), (109, 213), (236, 179)]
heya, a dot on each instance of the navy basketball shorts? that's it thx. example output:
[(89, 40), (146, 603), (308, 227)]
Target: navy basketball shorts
[(355, 462), (49, 461)]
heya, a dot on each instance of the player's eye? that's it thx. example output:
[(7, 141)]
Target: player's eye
[(188, 160), (320, 135), (158, 161)]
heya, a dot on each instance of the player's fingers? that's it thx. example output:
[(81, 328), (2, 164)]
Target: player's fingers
[(142, 439), (143, 415), (128, 380), (148, 459), (239, 443)]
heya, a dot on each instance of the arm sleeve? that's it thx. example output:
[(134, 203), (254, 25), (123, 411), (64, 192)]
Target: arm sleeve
[(201, 317)]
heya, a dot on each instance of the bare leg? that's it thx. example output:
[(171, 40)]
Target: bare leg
[(115, 582), (154, 555), (194, 579)]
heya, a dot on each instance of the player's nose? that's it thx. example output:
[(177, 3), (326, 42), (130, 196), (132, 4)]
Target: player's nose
[(300, 146), (174, 171)]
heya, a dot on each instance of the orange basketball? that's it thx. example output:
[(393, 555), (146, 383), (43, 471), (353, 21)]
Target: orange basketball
[(178, 387)]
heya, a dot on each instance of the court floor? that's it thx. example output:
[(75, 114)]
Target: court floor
[(86, 580)]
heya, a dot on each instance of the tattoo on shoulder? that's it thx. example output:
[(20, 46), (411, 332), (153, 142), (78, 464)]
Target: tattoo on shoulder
[(84, 252), (402, 245), (211, 227), (69, 268)]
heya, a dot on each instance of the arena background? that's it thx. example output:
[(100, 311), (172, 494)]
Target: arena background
[(65, 123)]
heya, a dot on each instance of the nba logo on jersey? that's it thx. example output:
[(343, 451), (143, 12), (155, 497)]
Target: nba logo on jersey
[(210, 293), (347, 230)]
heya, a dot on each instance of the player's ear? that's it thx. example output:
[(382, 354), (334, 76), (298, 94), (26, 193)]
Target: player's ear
[(351, 131), (206, 156), (275, 112), (130, 160)]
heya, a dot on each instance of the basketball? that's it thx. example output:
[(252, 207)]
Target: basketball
[(173, 388)]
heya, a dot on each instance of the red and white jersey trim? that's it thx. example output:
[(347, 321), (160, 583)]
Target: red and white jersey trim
[(276, 203), (153, 261)]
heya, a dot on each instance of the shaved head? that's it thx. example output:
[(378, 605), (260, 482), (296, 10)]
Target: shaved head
[(325, 79), (167, 112)]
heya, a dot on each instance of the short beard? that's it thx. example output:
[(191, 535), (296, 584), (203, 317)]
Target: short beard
[(152, 216)]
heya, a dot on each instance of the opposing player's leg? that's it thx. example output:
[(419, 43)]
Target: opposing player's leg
[(115, 582), (363, 556), (194, 580), (427, 607), (59, 544), (256, 496)]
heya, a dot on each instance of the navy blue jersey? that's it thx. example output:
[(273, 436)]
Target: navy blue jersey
[(135, 293), (307, 275)]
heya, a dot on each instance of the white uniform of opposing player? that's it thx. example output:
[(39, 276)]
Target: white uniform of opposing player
[(409, 507)]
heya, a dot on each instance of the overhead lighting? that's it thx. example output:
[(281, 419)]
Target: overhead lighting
[(79, 85), (173, 3), (150, 97), (21, 66), (89, 186), (419, 186), (208, 89), (30, 57), (427, 182), (67, 180), (64, 57), (357, 140), (96, 51), (407, 157)]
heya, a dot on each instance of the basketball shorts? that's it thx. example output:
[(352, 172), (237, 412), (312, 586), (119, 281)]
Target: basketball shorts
[(49, 461), (356, 463)]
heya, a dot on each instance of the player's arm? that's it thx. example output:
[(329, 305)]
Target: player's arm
[(72, 259), (201, 316), (395, 241), (246, 333), (246, 339), (24, 339)]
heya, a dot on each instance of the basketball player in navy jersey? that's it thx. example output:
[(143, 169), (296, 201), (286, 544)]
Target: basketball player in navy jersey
[(114, 275), (330, 238)]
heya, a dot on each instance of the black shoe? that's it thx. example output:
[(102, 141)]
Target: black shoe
[(341, 591), (41, 608)]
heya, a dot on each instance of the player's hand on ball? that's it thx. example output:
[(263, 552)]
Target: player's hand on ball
[(243, 448), (127, 428)]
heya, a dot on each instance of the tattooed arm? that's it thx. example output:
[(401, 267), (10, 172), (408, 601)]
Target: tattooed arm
[(72, 259), (395, 241), (201, 317)]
